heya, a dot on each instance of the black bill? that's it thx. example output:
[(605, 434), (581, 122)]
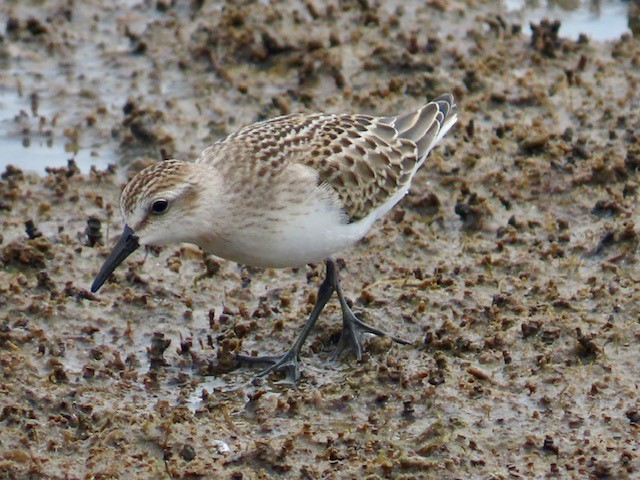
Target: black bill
[(125, 245)]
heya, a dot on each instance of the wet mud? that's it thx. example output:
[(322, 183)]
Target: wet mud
[(511, 266)]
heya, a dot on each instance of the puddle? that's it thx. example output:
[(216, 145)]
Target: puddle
[(36, 150), (600, 20), (40, 154)]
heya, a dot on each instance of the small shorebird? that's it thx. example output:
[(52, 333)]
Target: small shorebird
[(283, 193)]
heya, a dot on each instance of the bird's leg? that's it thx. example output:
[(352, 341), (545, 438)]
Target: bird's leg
[(353, 328), (288, 362)]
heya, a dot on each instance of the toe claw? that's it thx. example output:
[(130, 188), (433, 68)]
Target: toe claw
[(351, 338), (287, 363)]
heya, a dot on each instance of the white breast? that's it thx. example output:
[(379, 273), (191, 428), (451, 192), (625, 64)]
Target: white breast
[(308, 231)]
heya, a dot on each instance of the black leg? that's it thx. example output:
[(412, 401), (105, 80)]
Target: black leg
[(288, 362), (353, 329), (351, 338)]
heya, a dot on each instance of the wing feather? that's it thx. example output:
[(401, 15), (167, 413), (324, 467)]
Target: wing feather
[(365, 160)]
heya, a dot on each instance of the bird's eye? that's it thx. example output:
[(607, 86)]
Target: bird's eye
[(159, 206)]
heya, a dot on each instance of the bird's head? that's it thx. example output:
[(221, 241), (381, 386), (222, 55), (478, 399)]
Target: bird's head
[(158, 206)]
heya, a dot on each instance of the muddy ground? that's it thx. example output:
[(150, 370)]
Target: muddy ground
[(512, 265)]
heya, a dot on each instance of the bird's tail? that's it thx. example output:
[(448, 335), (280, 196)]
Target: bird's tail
[(427, 125)]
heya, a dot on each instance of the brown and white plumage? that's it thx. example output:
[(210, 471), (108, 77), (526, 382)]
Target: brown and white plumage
[(364, 159), (288, 191)]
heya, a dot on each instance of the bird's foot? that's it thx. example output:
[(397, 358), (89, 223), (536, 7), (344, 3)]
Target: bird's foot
[(352, 331), (287, 363)]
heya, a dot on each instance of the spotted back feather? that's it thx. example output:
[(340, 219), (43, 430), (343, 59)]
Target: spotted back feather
[(365, 160)]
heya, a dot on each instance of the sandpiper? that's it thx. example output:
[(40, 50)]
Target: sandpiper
[(285, 192)]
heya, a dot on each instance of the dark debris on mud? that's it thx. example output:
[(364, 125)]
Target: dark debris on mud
[(512, 264)]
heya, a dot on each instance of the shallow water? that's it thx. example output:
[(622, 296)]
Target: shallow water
[(600, 20), (25, 144)]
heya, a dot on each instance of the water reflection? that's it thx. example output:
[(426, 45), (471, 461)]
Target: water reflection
[(599, 19), (26, 139)]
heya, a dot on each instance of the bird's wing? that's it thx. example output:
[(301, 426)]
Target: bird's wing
[(364, 159)]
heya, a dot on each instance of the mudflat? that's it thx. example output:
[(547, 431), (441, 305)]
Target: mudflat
[(511, 266)]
